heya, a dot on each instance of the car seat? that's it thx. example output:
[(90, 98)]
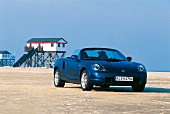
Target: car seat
[(85, 56), (102, 55)]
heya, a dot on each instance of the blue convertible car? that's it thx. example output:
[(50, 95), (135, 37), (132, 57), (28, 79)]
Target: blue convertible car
[(100, 67)]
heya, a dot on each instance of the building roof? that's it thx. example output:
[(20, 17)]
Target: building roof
[(4, 52), (45, 40)]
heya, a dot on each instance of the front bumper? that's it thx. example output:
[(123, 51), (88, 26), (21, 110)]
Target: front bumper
[(105, 78)]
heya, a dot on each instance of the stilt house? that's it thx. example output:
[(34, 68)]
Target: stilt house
[(41, 51)]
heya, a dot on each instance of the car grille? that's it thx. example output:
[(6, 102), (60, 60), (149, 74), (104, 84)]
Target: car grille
[(109, 79)]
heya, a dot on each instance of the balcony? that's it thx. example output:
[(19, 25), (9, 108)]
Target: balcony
[(27, 49)]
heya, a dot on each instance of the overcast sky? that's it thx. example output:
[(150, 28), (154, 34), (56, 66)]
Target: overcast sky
[(138, 28)]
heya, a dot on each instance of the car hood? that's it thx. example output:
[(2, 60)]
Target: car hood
[(122, 66)]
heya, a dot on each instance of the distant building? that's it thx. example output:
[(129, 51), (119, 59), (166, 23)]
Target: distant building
[(6, 59)]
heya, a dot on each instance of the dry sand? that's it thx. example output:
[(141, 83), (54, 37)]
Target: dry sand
[(31, 91)]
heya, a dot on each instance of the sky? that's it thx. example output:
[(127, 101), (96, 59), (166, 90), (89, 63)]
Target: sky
[(137, 28)]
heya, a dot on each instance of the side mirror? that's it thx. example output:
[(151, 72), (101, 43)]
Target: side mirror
[(75, 57), (129, 59)]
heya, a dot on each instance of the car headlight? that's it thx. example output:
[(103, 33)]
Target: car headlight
[(97, 67), (141, 68)]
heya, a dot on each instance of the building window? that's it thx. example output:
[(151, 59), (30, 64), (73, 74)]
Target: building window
[(63, 45), (59, 45), (3, 55), (52, 45)]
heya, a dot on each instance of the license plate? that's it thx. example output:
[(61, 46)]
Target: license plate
[(123, 78)]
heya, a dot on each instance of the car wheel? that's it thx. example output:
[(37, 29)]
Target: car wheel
[(138, 88), (105, 86), (85, 83), (57, 79)]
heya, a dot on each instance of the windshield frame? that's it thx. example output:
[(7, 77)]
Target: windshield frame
[(123, 58)]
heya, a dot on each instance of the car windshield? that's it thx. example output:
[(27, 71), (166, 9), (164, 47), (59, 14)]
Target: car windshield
[(103, 54)]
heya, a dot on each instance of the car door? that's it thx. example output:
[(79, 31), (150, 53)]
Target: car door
[(72, 69)]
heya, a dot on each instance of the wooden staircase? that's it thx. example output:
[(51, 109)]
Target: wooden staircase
[(25, 57)]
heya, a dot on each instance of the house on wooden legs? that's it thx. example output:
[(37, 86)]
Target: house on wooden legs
[(6, 59), (42, 51)]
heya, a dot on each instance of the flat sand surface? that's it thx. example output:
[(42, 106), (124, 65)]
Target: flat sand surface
[(31, 91)]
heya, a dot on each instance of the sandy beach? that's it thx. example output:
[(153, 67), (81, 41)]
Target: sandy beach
[(31, 91)]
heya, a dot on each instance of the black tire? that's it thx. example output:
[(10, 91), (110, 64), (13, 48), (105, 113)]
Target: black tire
[(57, 79), (105, 86), (85, 83), (138, 88)]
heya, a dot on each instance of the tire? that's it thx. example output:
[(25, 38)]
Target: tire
[(57, 79), (105, 86), (138, 88), (85, 82)]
